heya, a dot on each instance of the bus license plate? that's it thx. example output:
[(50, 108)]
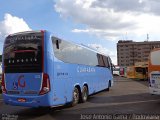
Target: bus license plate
[(21, 100)]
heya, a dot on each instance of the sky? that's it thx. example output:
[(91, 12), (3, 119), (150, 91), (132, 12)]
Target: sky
[(98, 24)]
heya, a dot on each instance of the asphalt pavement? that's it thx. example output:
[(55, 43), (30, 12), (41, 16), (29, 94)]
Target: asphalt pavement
[(127, 99)]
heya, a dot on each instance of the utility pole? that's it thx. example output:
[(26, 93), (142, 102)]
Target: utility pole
[(147, 37)]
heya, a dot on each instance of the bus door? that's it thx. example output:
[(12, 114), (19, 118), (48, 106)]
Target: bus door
[(23, 83), (145, 72)]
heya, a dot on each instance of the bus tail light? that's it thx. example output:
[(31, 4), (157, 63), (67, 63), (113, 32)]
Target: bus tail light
[(3, 85), (45, 84)]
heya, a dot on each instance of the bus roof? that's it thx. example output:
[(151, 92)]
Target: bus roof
[(81, 45), (18, 33), (155, 49)]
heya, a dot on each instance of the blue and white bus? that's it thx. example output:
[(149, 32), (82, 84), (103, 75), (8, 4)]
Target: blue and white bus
[(41, 70)]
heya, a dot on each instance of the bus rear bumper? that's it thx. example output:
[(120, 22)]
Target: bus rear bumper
[(30, 101), (154, 91)]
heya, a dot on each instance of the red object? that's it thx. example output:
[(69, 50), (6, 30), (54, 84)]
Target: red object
[(45, 84), (3, 85), (19, 81), (22, 51), (121, 71), (21, 100)]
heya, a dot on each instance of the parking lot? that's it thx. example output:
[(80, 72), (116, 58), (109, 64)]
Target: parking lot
[(127, 99)]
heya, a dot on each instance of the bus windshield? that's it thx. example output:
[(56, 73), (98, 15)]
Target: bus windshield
[(139, 69), (155, 58), (23, 53)]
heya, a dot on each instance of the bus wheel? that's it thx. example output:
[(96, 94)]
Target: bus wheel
[(75, 96), (109, 85), (84, 94)]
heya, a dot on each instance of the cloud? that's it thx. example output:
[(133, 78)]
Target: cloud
[(108, 34), (105, 51), (82, 12), (12, 24), (121, 5), (110, 19), (133, 6)]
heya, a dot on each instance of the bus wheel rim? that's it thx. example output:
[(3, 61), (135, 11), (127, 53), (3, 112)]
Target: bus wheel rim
[(76, 96), (85, 94)]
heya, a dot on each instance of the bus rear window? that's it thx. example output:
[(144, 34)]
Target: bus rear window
[(23, 53)]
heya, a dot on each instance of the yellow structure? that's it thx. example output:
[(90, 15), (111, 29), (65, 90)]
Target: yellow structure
[(131, 72), (141, 70), (138, 71)]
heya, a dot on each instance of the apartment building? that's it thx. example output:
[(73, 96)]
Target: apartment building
[(130, 52)]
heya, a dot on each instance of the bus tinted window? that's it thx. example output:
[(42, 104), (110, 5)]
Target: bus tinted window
[(72, 53), (139, 69), (106, 61), (100, 60), (23, 53)]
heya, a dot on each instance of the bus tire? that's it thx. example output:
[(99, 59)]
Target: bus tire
[(109, 85), (76, 95), (84, 96)]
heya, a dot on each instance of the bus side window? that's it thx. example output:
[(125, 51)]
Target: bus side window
[(106, 61), (110, 63), (100, 60)]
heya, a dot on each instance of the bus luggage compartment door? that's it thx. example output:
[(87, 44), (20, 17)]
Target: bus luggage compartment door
[(23, 83)]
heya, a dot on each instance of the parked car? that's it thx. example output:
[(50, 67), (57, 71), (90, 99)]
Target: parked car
[(116, 71)]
